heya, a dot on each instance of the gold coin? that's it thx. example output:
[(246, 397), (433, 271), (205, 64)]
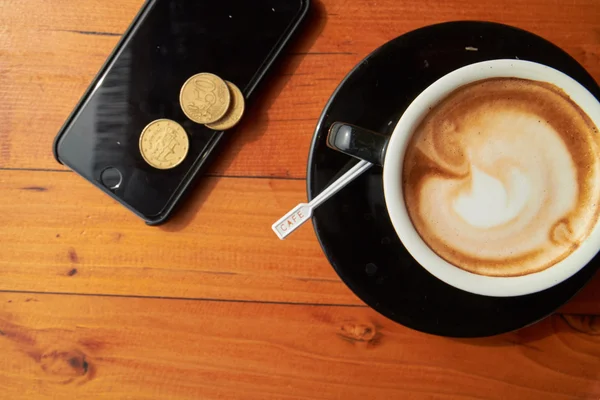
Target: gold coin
[(164, 144), (204, 98), (235, 112)]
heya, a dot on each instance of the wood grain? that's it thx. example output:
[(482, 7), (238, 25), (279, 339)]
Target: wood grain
[(119, 348), (220, 246), (51, 53)]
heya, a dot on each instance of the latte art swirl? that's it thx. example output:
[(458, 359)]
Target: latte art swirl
[(502, 177)]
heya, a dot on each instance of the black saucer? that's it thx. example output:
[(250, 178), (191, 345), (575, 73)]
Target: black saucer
[(354, 227)]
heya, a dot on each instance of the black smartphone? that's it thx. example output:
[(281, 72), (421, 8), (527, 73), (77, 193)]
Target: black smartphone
[(168, 42)]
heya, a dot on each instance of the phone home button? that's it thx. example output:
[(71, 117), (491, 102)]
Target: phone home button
[(111, 178)]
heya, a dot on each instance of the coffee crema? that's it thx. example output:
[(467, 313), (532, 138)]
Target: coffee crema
[(502, 177)]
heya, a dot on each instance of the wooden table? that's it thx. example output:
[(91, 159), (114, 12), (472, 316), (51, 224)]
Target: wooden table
[(94, 304)]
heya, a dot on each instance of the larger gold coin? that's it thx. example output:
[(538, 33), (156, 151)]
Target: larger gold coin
[(235, 112), (164, 144), (204, 98)]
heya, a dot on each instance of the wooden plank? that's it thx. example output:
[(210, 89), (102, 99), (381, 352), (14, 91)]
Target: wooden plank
[(72, 238), (58, 87), (122, 348), (87, 231), (49, 54)]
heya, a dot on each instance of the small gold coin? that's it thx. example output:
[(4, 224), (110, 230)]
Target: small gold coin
[(235, 112), (164, 144), (204, 98)]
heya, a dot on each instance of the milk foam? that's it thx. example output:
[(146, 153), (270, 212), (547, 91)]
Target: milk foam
[(489, 203), (494, 185)]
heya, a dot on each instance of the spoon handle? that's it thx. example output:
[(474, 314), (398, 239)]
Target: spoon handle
[(303, 211)]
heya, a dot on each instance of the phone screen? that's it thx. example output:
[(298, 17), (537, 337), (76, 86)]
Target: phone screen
[(173, 40)]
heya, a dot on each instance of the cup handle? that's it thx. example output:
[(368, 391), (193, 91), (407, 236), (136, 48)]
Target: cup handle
[(358, 142)]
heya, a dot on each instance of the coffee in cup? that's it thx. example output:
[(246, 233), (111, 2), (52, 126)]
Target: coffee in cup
[(501, 177), (492, 176)]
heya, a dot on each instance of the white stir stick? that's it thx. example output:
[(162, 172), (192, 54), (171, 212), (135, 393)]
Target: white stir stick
[(303, 211)]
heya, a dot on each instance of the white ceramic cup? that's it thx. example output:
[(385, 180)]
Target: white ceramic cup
[(390, 152)]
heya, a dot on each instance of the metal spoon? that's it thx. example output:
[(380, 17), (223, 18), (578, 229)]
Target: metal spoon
[(303, 211)]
